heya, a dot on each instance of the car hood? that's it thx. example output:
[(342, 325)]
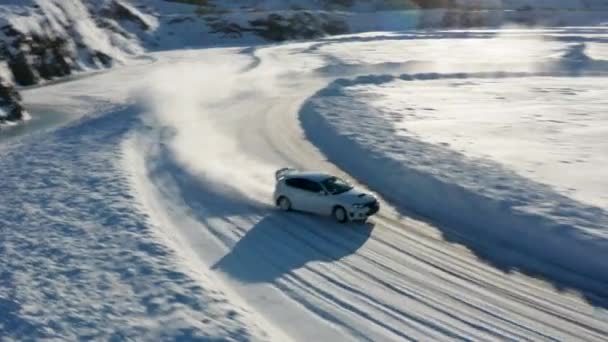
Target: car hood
[(355, 196)]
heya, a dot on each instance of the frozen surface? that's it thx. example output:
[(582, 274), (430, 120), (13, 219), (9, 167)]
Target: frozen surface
[(550, 130)]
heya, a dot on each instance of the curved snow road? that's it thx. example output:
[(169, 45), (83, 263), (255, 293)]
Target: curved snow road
[(395, 278)]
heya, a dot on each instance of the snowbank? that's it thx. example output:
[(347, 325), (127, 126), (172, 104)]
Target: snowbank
[(472, 196)]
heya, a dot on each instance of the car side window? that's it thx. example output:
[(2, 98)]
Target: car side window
[(311, 186), (304, 184), (295, 183)]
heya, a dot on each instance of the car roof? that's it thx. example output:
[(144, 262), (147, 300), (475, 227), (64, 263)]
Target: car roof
[(311, 175)]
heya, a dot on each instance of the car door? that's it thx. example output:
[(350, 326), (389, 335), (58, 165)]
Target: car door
[(302, 194), (314, 197), (295, 191), (325, 203)]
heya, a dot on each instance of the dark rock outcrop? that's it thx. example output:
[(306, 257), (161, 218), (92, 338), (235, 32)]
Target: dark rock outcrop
[(32, 58), (119, 11), (456, 18), (282, 26), (298, 25), (226, 28), (10, 103)]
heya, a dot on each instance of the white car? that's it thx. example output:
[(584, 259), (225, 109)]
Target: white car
[(322, 194)]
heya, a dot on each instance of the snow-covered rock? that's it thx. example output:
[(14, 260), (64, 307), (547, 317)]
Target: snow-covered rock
[(298, 25), (304, 19), (11, 109), (42, 40), (45, 39)]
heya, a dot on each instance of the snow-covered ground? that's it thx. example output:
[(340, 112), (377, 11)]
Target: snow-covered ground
[(546, 129), (81, 259), (149, 215), (502, 137)]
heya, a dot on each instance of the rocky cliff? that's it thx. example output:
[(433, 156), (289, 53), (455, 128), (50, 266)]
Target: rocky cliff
[(42, 40)]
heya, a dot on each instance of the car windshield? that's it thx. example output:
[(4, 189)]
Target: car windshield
[(336, 185)]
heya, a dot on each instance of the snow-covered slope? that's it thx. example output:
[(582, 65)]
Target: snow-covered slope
[(42, 40), (305, 19), (47, 39), (80, 258), (379, 5)]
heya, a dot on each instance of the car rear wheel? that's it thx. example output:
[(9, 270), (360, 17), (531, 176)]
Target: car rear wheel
[(284, 204), (340, 215)]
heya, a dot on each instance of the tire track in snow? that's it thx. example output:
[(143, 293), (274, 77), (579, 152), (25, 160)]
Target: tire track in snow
[(261, 250), (272, 236), (385, 284)]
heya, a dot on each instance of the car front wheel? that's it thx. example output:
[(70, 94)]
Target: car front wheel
[(340, 215), (284, 204)]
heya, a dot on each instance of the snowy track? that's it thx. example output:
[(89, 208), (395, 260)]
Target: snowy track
[(198, 153)]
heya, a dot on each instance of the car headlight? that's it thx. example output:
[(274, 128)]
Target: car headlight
[(358, 206)]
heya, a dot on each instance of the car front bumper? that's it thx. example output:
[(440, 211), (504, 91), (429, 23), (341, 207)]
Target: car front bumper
[(364, 212)]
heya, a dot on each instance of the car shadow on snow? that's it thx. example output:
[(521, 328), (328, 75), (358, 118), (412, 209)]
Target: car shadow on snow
[(282, 242)]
